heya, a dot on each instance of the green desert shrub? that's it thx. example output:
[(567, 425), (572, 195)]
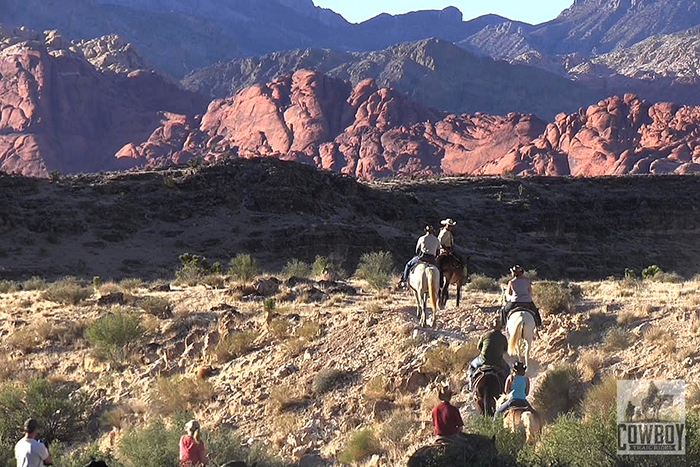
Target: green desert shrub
[(155, 445), (156, 306), (656, 274), (173, 394), (193, 268), (68, 291), (650, 271), (60, 408), (507, 442), (553, 395), (130, 284), (360, 446), (297, 268), (482, 283), (616, 338), (376, 268), (9, 286), (329, 379), (234, 345), (243, 267), (321, 263), (116, 333), (552, 297), (34, 283), (446, 360), (82, 456)]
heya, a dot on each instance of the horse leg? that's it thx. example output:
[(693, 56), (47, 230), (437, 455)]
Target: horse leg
[(459, 291)]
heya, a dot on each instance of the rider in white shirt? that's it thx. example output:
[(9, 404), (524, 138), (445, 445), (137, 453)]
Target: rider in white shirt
[(28, 451), (427, 249)]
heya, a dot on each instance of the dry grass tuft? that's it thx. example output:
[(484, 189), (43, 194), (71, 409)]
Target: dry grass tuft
[(552, 297), (173, 394), (600, 398), (445, 359), (660, 336), (377, 388), (68, 291), (630, 314), (279, 328), (616, 339), (235, 345), (397, 431), (589, 363)]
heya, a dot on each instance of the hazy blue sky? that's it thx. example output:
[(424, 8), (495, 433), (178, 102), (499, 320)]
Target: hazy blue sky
[(531, 11)]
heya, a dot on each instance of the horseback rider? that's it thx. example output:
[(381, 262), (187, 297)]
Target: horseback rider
[(519, 295), (447, 240), (427, 249), (493, 345), (447, 420), (517, 387)]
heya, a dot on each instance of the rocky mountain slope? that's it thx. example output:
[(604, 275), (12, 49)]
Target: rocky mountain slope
[(60, 113), (432, 72), (108, 224), (370, 132)]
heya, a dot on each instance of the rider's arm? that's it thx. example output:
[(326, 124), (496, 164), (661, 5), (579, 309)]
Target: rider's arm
[(509, 380), (529, 287)]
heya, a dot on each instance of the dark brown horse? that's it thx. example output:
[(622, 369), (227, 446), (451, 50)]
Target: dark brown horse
[(488, 387), (454, 272)]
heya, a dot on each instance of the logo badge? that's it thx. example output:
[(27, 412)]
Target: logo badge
[(650, 417)]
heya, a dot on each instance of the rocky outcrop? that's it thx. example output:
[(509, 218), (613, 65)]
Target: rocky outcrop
[(112, 53), (371, 132), (616, 136), (60, 113), (433, 72)]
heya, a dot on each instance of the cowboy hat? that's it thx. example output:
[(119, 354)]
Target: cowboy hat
[(448, 221), (517, 269), (445, 393)]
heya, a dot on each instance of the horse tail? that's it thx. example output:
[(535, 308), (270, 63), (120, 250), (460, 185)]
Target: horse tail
[(433, 279), (515, 337)]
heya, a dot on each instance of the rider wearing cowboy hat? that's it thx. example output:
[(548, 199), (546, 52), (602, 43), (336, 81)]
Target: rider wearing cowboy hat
[(517, 387), (447, 240), (492, 345), (447, 420), (519, 295)]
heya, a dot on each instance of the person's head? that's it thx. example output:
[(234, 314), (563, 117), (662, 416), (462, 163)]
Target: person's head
[(429, 229), (192, 428), (519, 368), (448, 223), (445, 393), (31, 428), (517, 270), (497, 324)]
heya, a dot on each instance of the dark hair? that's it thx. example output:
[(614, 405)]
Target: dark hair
[(518, 367), (30, 425)]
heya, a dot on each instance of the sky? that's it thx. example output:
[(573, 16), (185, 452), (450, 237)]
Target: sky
[(530, 11)]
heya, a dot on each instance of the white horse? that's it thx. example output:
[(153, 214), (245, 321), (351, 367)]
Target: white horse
[(424, 280), (521, 331)]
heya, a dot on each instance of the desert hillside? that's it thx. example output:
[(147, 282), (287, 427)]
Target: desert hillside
[(318, 372), (118, 225)]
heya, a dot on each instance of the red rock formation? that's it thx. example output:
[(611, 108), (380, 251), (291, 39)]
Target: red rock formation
[(57, 112)]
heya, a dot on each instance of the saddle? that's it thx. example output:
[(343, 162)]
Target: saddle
[(482, 371), (521, 308)]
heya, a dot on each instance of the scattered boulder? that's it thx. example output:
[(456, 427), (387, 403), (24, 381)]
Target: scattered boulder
[(165, 287), (113, 298), (206, 371), (416, 381), (381, 408), (266, 286)]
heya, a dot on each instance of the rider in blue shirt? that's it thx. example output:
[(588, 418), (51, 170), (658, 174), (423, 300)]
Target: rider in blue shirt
[(517, 387)]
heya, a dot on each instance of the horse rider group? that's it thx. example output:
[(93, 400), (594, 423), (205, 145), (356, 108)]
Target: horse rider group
[(429, 247)]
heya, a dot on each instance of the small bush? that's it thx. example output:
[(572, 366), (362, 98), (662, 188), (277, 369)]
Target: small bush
[(615, 339), (650, 271), (243, 267), (297, 268), (398, 428), (660, 336), (156, 306), (215, 281), (589, 362), (553, 397), (446, 360), (328, 379), (321, 263), (601, 398), (82, 456), (68, 291), (115, 334), (376, 388), (9, 286), (552, 297), (507, 442), (482, 283), (361, 445), (156, 445), (308, 330), (35, 283), (376, 269), (173, 394), (194, 268), (31, 336), (59, 408), (279, 328), (235, 345), (130, 284)]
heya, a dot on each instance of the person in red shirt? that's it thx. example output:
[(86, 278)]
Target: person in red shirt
[(446, 418), (192, 447)]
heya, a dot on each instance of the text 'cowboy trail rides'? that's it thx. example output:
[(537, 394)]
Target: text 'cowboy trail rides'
[(651, 417)]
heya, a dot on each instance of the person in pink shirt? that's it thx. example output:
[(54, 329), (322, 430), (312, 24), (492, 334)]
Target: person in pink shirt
[(192, 451)]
